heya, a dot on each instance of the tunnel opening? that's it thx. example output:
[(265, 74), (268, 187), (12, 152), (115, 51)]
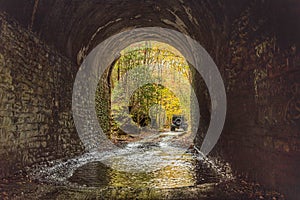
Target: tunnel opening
[(153, 105)]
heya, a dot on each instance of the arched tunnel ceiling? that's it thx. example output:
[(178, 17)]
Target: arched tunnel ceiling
[(74, 26)]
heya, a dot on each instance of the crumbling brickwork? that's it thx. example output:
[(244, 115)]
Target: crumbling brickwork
[(35, 100)]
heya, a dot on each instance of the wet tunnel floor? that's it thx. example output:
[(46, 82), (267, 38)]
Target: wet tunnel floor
[(149, 169)]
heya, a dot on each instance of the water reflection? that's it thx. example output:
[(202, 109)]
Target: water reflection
[(174, 176), (172, 170)]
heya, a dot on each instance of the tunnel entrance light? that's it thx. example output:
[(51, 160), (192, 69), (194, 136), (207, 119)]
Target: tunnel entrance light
[(83, 100)]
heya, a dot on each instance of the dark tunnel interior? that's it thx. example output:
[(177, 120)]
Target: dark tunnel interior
[(254, 43)]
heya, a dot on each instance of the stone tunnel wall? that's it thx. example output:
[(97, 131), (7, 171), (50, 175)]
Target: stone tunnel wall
[(35, 100), (261, 137)]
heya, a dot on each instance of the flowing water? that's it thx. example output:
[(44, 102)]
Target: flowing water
[(150, 163), (152, 168)]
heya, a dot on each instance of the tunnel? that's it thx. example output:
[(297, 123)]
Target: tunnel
[(254, 45)]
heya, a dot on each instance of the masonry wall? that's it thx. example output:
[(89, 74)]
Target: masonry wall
[(261, 137), (35, 100)]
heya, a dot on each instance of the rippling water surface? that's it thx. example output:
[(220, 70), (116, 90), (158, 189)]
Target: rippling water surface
[(146, 165), (155, 167)]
